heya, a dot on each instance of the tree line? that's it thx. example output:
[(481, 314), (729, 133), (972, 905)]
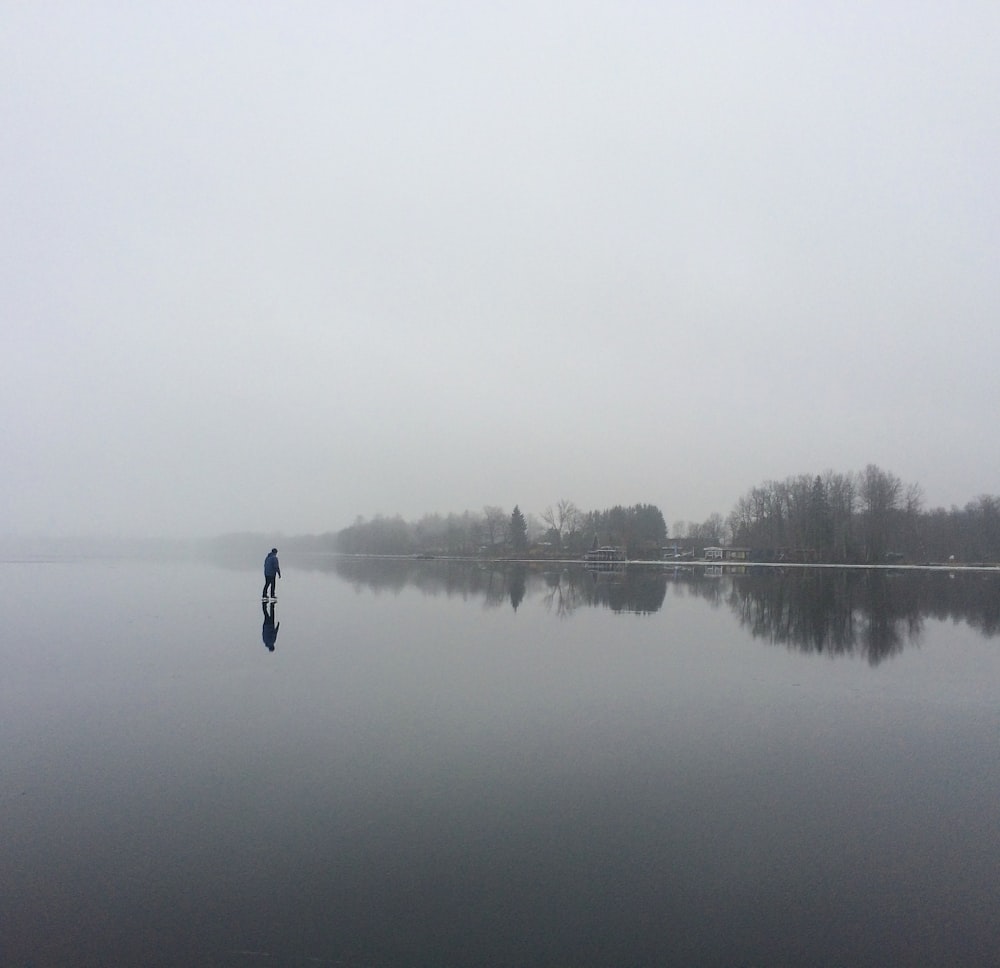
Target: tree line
[(866, 517), (562, 529)]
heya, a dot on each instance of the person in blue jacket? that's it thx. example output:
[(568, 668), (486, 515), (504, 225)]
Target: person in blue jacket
[(272, 570)]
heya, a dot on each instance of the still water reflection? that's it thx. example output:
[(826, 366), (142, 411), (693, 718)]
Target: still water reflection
[(270, 628), (438, 763), (870, 612)]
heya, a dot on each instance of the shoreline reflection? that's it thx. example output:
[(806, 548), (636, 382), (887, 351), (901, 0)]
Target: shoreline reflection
[(870, 613), (873, 613)]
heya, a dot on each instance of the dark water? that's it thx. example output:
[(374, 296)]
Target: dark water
[(445, 765)]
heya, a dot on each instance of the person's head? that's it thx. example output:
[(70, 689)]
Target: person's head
[(274, 551)]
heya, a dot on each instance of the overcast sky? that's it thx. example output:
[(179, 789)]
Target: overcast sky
[(273, 266)]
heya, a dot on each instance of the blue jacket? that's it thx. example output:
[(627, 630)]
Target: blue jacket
[(271, 566)]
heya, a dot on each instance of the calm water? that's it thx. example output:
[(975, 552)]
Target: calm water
[(444, 765)]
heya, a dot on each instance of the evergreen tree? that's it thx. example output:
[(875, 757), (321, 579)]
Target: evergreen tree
[(518, 531), (819, 523)]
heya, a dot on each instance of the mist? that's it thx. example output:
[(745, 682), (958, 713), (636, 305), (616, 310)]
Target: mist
[(271, 269)]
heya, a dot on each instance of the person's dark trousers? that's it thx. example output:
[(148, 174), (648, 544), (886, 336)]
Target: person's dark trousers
[(269, 583)]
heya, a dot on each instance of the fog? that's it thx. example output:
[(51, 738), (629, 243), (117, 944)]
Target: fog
[(271, 267)]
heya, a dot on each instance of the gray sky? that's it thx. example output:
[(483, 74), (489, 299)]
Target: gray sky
[(272, 266)]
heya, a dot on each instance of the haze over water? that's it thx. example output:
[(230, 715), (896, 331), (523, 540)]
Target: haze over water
[(263, 266), (630, 767)]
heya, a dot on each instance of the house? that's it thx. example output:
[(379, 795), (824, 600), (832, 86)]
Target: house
[(605, 553), (727, 554)]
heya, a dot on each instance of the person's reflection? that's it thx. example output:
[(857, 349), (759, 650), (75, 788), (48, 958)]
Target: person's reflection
[(269, 633)]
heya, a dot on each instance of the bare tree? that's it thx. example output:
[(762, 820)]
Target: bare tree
[(841, 495), (880, 494), (495, 525), (564, 520), (711, 531)]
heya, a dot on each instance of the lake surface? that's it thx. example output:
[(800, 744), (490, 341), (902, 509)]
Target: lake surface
[(451, 764)]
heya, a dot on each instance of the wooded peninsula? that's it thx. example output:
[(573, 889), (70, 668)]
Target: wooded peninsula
[(865, 517)]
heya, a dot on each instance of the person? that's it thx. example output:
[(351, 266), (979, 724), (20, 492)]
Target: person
[(272, 570)]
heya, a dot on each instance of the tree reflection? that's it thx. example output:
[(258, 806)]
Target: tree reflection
[(562, 589), (562, 594), (873, 613), (624, 589), (517, 585)]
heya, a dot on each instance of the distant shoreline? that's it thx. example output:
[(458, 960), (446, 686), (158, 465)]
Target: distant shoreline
[(661, 563)]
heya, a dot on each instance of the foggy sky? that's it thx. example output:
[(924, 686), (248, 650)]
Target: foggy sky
[(273, 266)]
